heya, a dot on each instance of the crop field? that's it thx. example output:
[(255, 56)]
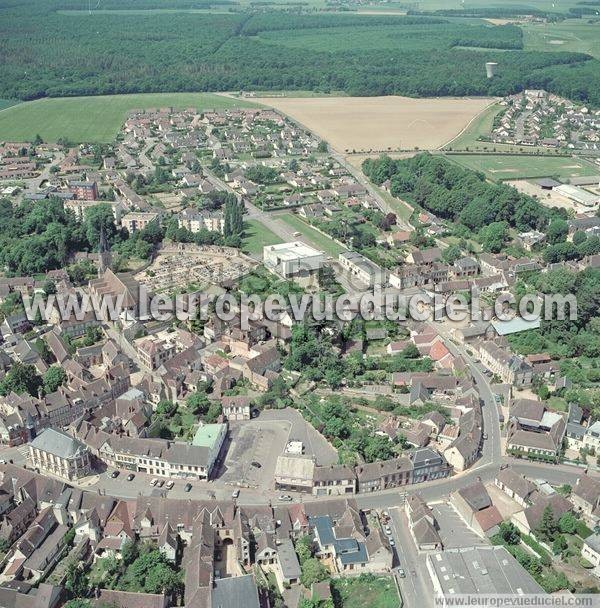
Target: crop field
[(509, 167), (374, 124), (574, 35), (94, 119)]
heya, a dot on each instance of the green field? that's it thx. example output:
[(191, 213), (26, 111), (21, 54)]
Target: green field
[(574, 35), (506, 167), (367, 590), (94, 119), (320, 240), (7, 103), (257, 236)]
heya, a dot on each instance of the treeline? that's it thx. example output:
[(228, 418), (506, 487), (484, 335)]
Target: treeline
[(45, 53), (456, 194), (276, 21)]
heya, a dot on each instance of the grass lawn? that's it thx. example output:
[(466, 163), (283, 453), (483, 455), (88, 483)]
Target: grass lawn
[(367, 590), (8, 103), (557, 403), (400, 209), (513, 166), (573, 35), (256, 236), (94, 119), (323, 242)]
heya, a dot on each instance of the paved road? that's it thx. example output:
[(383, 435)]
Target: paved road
[(414, 587)]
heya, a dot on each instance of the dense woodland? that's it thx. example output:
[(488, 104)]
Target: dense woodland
[(460, 195), (56, 48)]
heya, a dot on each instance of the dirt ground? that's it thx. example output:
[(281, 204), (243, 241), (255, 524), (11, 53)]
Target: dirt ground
[(548, 198), (378, 124)]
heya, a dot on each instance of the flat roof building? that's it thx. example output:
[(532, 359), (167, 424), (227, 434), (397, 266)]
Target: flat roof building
[(579, 195), (479, 570), (294, 258)]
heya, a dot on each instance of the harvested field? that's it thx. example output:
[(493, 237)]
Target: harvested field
[(379, 124)]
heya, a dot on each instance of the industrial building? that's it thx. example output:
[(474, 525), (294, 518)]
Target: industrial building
[(293, 259), (478, 570)]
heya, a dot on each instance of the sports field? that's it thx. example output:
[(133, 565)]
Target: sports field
[(94, 119), (505, 167), (378, 124), (257, 236), (573, 35), (321, 241)]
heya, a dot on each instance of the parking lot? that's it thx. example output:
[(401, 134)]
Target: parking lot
[(454, 532), (253, 453), (314, 443)]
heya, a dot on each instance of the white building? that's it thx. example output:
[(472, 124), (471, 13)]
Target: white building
[(294, 258)]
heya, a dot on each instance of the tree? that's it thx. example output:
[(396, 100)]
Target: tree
[(451, 254), (494, 236), (546, 530), (99, 218), (78, 603), (198, 403), (567, 523), (129, 552), (557, 231), (54, 377), (559, 545), (509, 533), (322, 147), (313, 571), (21, 379), (76, 581), (304, 548)]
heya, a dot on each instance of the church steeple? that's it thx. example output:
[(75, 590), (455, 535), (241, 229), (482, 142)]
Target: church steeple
[(104, 251)]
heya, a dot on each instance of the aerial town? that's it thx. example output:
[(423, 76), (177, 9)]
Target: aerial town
[(210, 463)]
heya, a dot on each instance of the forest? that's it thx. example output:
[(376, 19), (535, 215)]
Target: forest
[(56, 48), (460, 195)]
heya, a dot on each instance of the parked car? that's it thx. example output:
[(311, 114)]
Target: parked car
[(256, 464), (235, 493), (114, 474), (170, 484), (285, 498), (401, 573), (392, 542), (153, 481), (160, 483), (130, 477), (485, 435), (187, 487)]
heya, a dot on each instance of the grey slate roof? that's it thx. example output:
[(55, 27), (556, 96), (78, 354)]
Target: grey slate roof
[(58, 443), (236, 592)]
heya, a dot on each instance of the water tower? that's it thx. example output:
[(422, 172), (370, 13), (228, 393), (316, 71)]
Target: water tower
[(490, 68)]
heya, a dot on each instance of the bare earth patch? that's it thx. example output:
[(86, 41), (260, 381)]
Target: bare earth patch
[(379, 124)]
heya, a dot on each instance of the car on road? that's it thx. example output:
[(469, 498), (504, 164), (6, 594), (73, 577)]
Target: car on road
[(114, 474), (401, 573), (485, 435), (297, 234), (153, 481), (285, 498), (387, 530), (235, 493), (160, 483), (392, 542), (170, 484), (187, 487), (130, 477), (256, 464)]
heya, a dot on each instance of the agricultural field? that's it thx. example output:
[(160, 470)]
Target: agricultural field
[(573, 35), (257, 236), (94, 119), (377, 124), (324, 243), (512, 166)]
